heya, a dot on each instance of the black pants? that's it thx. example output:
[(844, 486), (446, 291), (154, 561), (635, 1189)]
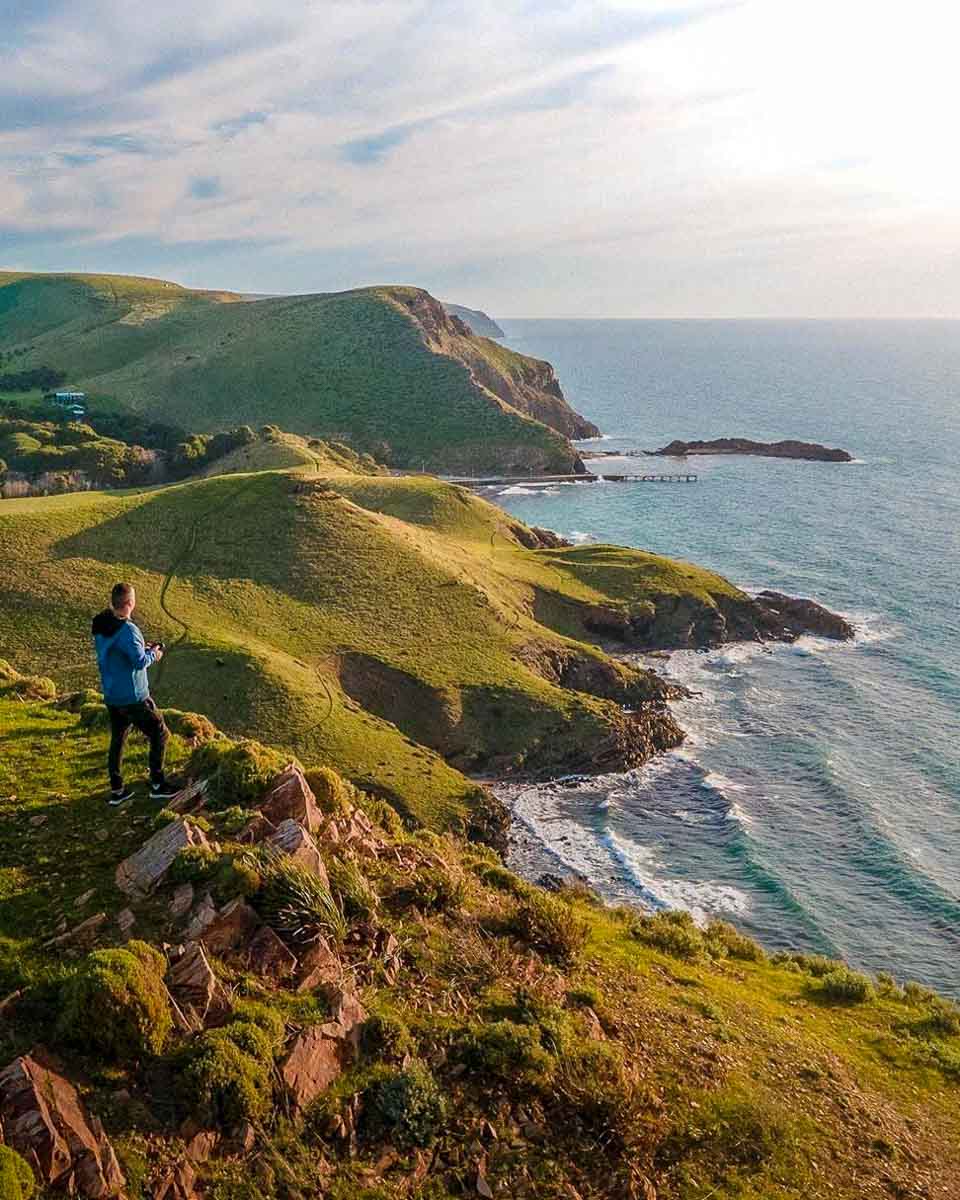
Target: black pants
[(146, 717)]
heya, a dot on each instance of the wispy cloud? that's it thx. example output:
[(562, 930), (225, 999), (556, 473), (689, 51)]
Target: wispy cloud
[(610, 156)]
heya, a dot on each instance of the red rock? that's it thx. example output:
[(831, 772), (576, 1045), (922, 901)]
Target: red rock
[(201, 918), (139, 873), (318, 965), (258, 829), (347, 1015), (315, 1060), (182, 901), (268, 956), (232, 927), (176, 1184), (195, 987), (202, 1145), (242, 1139), (293, 840), (44, 1121), (290, 798)]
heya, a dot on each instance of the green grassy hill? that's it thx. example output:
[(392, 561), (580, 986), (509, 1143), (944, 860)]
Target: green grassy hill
[(512, 1043), (398, 627), (383, 367)]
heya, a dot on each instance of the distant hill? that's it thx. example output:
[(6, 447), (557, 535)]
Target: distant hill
[(384, 368), (476, 321)]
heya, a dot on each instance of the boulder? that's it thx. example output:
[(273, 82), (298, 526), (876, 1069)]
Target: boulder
[(45, 1122), (82, 932), (293, 840), (291, 798), (203, 1145), (182, 900), (176, 1184), (232, 927), (269, 957), (314, 1061), (319, 965), (347, 1015), (257, 830), (140, 873), (196, 988), (201, 919)]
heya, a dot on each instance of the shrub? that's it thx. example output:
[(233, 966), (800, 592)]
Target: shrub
[(846, 986), (35, 687), (194, 864), (94, 716), (436, 889), (501, 879), (584, 996), (550, 926), (8, 673), (404, 1105), (673, 932), (352, 888), (509, 1051), (731, 1130), (221, 1082), (592, 1082), (816, 965), (298, 903), (385, 1035), (16, 1177), (236, 772), (334, 794), (115, 1003), (263, 1017), (723, 940), (192, 727), (381, 813), (233, 819)]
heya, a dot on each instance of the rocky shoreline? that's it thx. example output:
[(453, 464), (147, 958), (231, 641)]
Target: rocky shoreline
[(811, 451)]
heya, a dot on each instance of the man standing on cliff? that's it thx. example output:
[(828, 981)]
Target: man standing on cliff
[(123, 658)]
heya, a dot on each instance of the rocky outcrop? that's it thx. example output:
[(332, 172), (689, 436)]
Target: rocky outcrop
[(140, 873), (195, 987), (290, 798), (476, 321), (797, 616), (528, 385), (784, 449), (44, 1121)]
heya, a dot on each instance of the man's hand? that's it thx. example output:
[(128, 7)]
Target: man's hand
[(158, 649)]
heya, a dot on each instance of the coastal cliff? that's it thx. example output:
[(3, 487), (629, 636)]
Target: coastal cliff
[(476, 321)]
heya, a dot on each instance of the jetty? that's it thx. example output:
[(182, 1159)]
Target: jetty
[(589, 477)]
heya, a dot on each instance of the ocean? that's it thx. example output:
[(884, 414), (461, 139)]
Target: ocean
[(816, 802)]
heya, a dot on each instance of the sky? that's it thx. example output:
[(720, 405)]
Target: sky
[(750, 158)]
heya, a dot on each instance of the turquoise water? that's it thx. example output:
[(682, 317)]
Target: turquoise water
[(817, 801)]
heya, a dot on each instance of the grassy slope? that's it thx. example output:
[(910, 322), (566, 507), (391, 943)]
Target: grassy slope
[(351, 618), (736, 1081), (356, 363)]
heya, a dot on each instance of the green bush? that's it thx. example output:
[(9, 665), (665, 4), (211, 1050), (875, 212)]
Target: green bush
[(845, 986), (16, 1177), (674, 932), (723, 940), (35, 687), (115, 1004), (816, 965), (334, 794), (8, 673), (550, 926), (592, 1082), (297, 903), (509, 1051), (237, 773), (731, 1130), (405, 1106), (381, 813), (385, 1035), (194, 864), (501, 879), (191, 726), (222, 1082), (233, 819), (584, 996), (94, 717), (263, 1017), (352, 888), (435, 889)]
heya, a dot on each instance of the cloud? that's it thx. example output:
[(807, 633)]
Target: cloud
[(610, 156)]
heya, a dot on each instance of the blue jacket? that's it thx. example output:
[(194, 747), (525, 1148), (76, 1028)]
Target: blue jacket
[(123, 658)]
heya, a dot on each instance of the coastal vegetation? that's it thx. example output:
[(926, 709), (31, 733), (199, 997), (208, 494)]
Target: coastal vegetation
[(384, 367), (481, 1036)]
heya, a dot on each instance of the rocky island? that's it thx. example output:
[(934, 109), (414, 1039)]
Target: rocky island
[(785, 449)]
